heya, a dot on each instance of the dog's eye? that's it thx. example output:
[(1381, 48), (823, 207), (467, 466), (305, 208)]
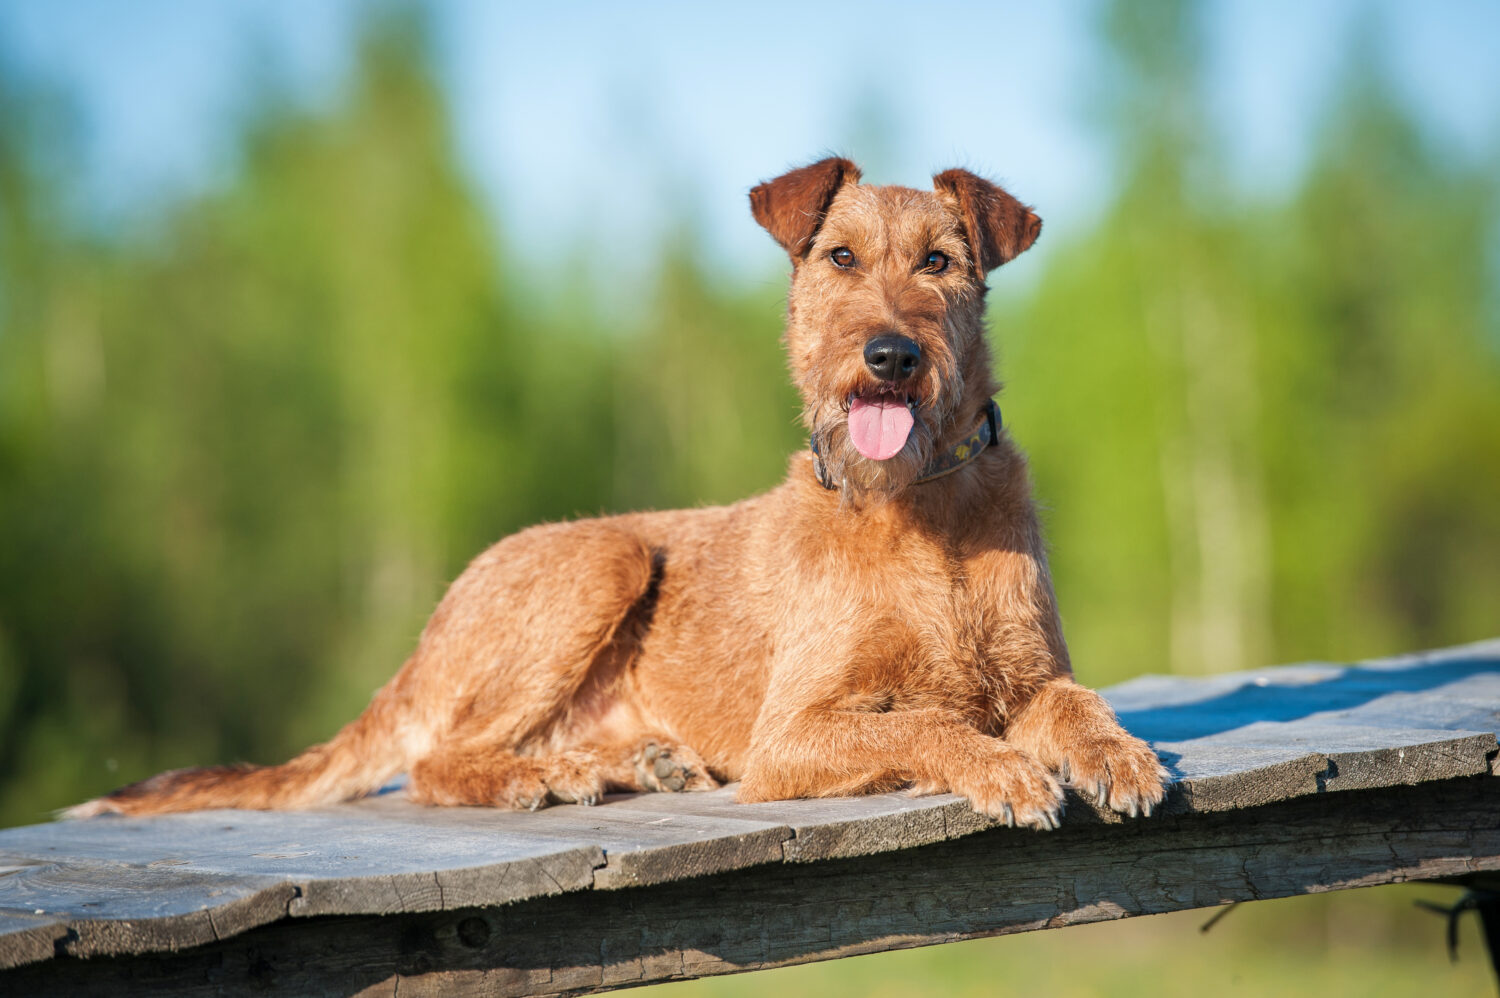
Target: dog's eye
[(935, 263), (842, 257)]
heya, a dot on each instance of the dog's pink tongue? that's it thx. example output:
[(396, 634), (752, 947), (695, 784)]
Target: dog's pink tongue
[(879, 427)]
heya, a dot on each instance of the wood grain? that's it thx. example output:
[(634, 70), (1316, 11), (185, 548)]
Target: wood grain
[(998, 881), (1237, 746)]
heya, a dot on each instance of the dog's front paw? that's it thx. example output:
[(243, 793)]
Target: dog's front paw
[(1119, 771), (1012, 787)]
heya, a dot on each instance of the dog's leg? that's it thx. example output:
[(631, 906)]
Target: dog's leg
[(506, 654), (480, 773), (827, 752), (1073, 731), (1069, 728)]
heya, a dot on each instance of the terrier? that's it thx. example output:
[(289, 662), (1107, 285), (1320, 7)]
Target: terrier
[(882, 619)]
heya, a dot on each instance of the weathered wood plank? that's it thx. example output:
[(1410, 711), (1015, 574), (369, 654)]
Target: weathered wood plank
[(639, 847), (108, 908), (824, 829), (1233, 742), (348, 862), (1243, 739), (999, 881), (28, 938)]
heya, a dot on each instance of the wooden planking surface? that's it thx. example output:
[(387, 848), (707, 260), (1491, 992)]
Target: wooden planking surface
[(999, 881), (1247, 738), (146, 885), (28, 938), (96, 908)]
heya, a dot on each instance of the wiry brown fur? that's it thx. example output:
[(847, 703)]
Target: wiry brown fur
[(806, 642)]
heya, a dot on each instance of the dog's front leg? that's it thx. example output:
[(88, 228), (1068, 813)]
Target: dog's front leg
[(1075, 733), (830, 749), (1071, 729)]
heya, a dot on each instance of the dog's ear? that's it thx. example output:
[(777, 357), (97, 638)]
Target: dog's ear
[(792, 207), (999, 227)]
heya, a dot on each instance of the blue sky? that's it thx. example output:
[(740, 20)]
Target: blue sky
[(612, 118)]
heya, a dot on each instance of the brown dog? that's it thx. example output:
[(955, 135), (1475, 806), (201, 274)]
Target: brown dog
[(883, 618)]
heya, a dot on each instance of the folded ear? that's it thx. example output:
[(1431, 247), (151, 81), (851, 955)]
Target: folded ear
[(999, 227), (792, 207)]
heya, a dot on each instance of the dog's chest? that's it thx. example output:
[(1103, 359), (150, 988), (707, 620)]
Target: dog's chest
[(926, 626)]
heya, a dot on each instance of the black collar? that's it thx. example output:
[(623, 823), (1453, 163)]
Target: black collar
[(955, 457)]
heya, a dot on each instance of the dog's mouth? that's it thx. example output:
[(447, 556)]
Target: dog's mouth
[(880, 423)]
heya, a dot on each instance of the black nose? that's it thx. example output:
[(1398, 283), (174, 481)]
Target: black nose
[(892, 358)]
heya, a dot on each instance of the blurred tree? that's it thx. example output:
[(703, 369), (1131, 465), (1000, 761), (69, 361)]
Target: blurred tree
[(1265, 430), (321, 399), (1384, 452), (241, 451), (66, 606), (1135, 391), (706, 412)]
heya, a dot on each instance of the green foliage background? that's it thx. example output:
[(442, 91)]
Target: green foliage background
[(244, 447)]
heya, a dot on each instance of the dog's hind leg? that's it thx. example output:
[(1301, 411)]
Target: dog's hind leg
[(507, 653), (485, 774), (481, 773)]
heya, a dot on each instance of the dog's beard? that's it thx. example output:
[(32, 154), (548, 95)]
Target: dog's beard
[(863, 478)]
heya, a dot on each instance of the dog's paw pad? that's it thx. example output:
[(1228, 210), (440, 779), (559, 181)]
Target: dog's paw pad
[(671, 769)]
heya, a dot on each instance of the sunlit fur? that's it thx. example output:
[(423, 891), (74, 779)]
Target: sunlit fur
[(806, 642)]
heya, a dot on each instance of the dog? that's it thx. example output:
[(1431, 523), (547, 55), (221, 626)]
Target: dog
[(883, 619)]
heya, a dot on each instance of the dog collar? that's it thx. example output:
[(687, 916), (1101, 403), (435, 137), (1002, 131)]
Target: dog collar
[(966, 450)]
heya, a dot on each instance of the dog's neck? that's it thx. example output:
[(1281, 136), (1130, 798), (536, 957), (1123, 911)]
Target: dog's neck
[(950, 458)]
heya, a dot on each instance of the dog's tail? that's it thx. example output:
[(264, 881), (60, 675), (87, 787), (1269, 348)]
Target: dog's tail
[(367, 752)]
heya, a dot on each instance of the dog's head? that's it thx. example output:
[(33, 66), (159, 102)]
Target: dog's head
[(885, 320)]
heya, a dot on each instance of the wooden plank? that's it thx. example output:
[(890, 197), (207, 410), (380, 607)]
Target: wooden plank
[(1234, 742), (825, 829), (27, 938), (1259, 763), (1460, 686), (109, 908), (638, 847), (1244, 739), (999, 881), (340, 860)]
